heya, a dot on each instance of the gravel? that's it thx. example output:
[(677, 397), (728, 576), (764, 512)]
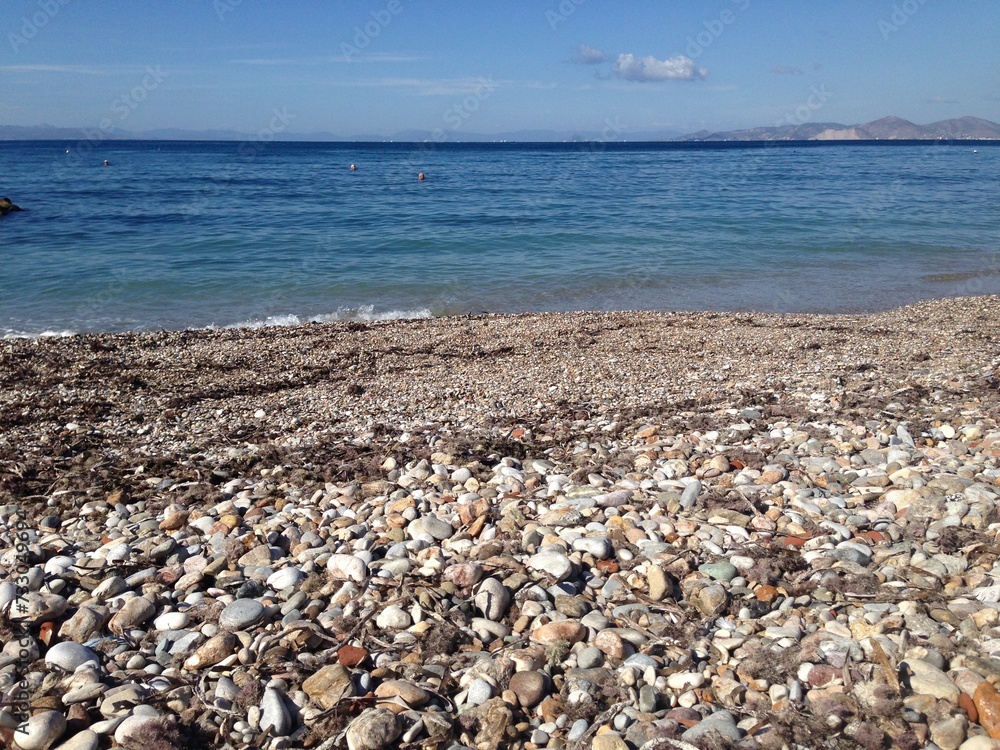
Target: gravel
[(573, 530)]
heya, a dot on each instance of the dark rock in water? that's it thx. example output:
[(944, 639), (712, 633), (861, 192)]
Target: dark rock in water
[(6, 206)]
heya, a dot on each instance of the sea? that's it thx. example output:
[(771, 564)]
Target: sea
[(178, 235)]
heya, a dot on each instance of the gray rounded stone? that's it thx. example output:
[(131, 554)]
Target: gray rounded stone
[(284, 578), (393, 617), (88, 739), (274, 714), (430, 526), (374, 729), (69, 656), (40, 731), (598, 546), (722, 722), (589, 658), (553, 563), (479, 691), (720, 571), (241, 614), (492, 599)]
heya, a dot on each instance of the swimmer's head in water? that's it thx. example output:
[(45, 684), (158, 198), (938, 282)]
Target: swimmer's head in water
[(354, 167), (421, 176)]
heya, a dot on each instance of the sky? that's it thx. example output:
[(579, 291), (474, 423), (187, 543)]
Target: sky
[(353, 67)]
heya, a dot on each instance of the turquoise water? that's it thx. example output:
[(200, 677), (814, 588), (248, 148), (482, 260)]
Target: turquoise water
[(183, 235)]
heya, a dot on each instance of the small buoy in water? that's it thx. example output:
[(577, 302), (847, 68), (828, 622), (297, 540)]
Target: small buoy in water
[(975, 151)]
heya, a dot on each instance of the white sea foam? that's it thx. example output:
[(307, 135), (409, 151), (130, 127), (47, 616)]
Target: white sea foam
[(365, 313), (9, 334)]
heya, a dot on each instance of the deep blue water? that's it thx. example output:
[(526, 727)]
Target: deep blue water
[(183, 235)]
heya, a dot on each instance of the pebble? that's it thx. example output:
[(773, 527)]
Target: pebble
[(40, 731), (172, 621), (529, 687), (478, 692), (609, 741), (659, 584), (980, 742), (721, 722), (393, 617), (83, 740), (88, 621), (590, 657), (328, 686), (431, 528), (347, 568), (274, 714), (552, 563), (374, 729), (241, 614), (409, 693), (492, 599), (568, 631), (134, 728), (285, 578), (929, 680), (949, 734), (211, 652), (69, 656), (135, 612), (721, 571)]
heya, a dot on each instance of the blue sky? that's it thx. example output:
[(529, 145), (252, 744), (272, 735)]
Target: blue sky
[(620, 66)]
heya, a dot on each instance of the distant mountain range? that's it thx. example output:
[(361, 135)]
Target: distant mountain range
[(52, 133), (888, 128)]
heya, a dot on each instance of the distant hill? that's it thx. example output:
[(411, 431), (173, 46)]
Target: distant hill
[(52, 133), (886, 129)]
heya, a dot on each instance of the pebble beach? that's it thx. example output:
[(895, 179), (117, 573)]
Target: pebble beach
[(618, 531)]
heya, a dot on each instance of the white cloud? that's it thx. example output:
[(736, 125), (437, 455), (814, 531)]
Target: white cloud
[(787, 70), (585, 55), (648, 68)]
